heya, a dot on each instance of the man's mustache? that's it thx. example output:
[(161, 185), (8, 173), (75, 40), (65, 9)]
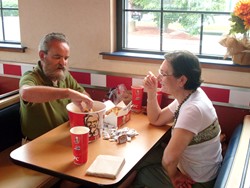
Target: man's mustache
[(61, 67)]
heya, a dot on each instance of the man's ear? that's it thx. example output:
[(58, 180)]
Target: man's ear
[(42, 55)]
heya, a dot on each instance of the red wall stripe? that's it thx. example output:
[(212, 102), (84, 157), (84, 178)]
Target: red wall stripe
[(113, 81), (217, 94), (81, 77), (12, 69)]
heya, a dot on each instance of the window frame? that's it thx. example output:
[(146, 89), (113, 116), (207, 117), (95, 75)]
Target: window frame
[(5, 45), (134, 55)]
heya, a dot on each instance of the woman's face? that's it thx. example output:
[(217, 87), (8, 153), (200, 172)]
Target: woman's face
[(166, 78)]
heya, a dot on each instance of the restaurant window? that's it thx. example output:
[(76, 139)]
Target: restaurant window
[(10, 27), (158, 26)]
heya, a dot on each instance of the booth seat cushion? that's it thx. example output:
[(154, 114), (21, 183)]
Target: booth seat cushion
[(15, 176), (229, 158), (10, 128), (12, 175)]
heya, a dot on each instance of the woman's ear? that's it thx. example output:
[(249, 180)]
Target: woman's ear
[(182, 80)]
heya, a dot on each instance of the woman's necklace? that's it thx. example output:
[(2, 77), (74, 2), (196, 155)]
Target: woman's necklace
[(176, 114)]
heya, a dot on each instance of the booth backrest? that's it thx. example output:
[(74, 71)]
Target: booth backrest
[(10, 128), (228, 158)]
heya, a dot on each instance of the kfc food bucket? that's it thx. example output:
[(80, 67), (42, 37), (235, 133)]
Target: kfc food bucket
[(92, 119)]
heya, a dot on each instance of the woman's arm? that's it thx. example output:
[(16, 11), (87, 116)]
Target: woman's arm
[(156, 115), (177, 144)]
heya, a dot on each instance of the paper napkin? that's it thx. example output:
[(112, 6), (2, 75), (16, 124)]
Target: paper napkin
[(106, 166)]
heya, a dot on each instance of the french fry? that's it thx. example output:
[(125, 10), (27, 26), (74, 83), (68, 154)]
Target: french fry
[(115, 110), (88, 110)]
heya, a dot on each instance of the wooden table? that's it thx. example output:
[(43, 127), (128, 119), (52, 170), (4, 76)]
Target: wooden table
[(51, 153)]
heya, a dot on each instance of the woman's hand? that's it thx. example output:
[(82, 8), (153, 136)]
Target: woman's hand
[(182, 181), (150, 83)]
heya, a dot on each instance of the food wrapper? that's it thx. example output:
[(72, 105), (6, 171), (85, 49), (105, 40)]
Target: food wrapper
[(120, 93), (117, 115)]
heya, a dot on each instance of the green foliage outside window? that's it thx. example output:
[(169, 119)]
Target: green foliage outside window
[(187, 20), (9, 7)]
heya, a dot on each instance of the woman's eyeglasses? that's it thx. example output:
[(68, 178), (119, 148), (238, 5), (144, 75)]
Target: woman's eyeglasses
[(163, 73)]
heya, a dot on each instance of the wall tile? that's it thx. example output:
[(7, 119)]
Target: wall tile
[(217, 94), (11, 69), (239, 97), (81, 77), (113, 81), (1, 68), (98, 80)]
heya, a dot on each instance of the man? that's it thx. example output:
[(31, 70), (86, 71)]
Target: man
[(47, 89)]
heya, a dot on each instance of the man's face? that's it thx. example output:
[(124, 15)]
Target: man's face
[(55, 61)]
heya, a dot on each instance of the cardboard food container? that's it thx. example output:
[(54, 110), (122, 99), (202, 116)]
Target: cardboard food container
[(117, 115)]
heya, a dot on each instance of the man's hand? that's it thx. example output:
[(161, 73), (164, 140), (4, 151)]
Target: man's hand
[(77, 98)]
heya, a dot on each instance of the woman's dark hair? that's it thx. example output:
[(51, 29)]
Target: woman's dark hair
[(187, 64)]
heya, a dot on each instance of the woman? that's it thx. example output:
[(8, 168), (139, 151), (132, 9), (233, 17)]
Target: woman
[(192, 157)]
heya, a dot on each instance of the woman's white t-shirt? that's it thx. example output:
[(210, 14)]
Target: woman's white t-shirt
[(200, 161)]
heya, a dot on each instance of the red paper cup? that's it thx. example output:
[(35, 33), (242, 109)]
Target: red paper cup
[(159, 96), (137, 94), (79, 141), (93, 120)]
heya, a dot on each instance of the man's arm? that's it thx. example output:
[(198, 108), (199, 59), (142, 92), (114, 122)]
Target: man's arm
[(40, 94)]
